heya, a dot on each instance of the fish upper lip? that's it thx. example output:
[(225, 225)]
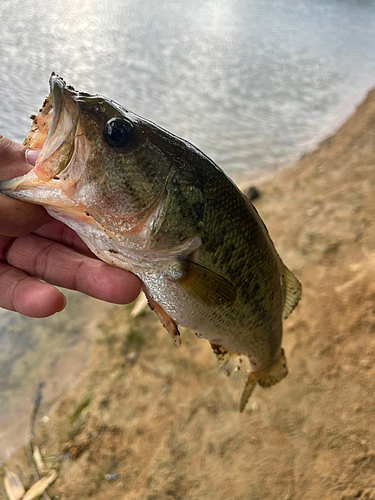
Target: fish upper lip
[(57, 86), (63, 124)]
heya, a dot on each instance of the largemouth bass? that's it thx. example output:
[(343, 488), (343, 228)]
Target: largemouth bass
[(147, 201)]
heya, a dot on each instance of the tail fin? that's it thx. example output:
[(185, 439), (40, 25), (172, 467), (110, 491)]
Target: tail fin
[(272, 376)]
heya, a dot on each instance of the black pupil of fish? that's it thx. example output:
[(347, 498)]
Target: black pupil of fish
[(118, 133)]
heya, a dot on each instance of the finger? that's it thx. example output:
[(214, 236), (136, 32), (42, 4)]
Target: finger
[(17, 217), (31, 156), (28, 296), (62, 266), (59, 232), (5, 244), (12, 159)]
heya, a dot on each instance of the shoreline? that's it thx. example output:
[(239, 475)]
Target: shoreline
[(344, 111)]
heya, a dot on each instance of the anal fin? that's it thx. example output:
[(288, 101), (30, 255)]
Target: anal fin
[(229, 362), (166, 321)]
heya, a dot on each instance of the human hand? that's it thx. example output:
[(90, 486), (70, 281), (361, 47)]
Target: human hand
[(35, 247)]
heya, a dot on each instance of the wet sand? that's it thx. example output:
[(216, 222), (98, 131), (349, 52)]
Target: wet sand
[(164, 421)]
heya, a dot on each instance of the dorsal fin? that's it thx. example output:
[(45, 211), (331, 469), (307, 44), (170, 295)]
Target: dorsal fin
[(293, 291)]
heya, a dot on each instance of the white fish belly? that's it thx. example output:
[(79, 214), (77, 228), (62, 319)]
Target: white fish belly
[(218, 324)]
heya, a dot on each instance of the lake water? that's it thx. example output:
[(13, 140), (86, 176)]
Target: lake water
[(251, 83)]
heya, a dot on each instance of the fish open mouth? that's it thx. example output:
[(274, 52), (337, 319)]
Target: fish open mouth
[(53, 131), (54, 128)]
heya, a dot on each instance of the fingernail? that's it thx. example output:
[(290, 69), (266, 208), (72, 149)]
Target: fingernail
[(31, 156)]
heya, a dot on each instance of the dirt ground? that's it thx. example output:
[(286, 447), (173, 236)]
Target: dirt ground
[(151, 421)]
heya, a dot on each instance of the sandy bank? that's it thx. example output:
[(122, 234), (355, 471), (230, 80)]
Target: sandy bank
[(166, 421)]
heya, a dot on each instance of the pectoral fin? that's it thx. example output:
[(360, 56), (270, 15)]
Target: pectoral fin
[(206, 286)]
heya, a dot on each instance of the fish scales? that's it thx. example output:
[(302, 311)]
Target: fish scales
[(241, 250)]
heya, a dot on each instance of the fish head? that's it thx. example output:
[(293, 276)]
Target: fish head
[(99, 163)]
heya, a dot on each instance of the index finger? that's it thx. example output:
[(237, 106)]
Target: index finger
[(61, 266), (57, 231)]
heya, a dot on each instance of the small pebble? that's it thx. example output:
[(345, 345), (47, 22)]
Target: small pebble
[(112, 477), (132, 357), (166, 389), (252, 193), (365, 363), (255, 407)]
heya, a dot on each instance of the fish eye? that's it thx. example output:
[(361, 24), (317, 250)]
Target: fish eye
[(118, 133)]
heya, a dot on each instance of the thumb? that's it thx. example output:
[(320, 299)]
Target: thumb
[(17, 217), (13, 159)]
